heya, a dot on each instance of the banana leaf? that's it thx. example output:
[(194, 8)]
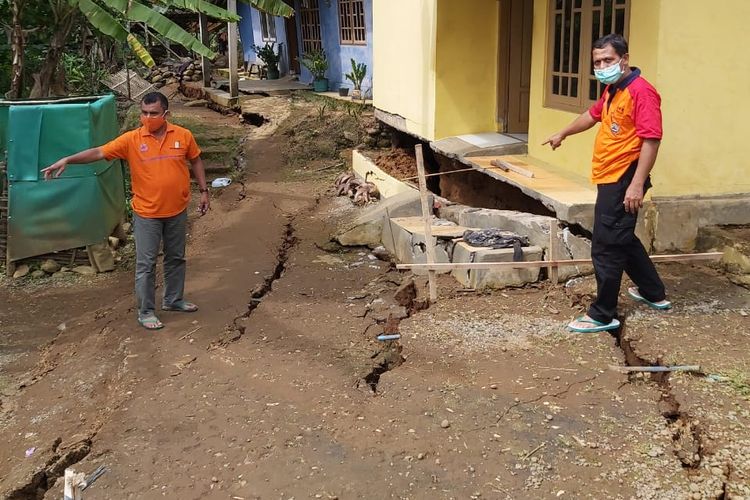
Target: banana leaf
[(273, 7), (140, 51), (138, 12), (203, 6), (101, 19)]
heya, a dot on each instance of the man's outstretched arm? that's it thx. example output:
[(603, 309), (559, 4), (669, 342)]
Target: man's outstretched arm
[(584, 122), (88, 156)]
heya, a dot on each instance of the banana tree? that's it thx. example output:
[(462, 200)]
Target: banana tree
[(111, 17)]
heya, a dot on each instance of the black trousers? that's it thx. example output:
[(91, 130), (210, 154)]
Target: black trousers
[(615, 248)]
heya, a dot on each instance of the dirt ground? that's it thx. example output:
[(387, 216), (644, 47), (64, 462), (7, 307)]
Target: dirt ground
[(277, 387)]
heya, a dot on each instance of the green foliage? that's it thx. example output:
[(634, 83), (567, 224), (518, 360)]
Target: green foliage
[(267, 54), (357, 75), (316, 63), (82, 76)]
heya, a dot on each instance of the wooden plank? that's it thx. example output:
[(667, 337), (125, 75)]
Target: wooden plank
[(507, 166), (553, 270), (427, 218), (691, 257)]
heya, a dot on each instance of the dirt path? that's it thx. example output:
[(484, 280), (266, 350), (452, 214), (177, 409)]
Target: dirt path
[(277, 387)]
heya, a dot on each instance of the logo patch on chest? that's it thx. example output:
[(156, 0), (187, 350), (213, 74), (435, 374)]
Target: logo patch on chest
[(143, 148), (615, 128)]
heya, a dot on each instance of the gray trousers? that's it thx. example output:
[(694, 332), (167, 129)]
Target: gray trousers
[(149, 233)]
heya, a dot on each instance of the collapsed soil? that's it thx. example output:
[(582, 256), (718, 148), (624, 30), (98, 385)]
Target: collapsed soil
[(396, 162), (260, 394)]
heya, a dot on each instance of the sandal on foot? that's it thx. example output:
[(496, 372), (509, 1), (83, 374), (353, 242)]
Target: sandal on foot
[(150, 322), (661, 305), (181, 306), (597, 326)]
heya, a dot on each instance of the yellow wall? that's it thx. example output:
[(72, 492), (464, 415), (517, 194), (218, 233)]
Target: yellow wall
[(466, 67), (697, 67), (404, 62)]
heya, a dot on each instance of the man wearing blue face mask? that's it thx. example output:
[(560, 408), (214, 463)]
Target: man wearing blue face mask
[(624, 154)]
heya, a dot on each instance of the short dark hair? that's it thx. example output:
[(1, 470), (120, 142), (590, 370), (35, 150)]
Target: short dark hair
[(617, 42), (153, 97)]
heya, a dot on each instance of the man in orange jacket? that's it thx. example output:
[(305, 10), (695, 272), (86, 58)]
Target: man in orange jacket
[(624, 154), (157, 153)]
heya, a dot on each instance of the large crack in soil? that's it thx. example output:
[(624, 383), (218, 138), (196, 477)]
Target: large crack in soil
[(237, 329), (687, 434), (45, 478)]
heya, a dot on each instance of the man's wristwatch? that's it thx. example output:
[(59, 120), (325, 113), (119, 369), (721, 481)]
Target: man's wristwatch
[(204, 190)]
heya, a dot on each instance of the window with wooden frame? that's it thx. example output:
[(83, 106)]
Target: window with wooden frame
[(267, 27), (574, 25), (352, 22), (310, 26)]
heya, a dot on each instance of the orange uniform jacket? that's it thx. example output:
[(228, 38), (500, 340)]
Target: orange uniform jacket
[(158, 168), (630, 111)]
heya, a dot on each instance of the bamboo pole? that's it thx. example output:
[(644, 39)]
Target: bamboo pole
[(690, 257), (427, 216), (234, 89), (553, 270)]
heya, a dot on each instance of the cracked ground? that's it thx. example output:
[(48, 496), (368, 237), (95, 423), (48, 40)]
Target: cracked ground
[(260, 394)]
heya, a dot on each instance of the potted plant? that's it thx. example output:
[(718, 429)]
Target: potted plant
[(357, 76), (317, 64), (270, 57), (343, 91)]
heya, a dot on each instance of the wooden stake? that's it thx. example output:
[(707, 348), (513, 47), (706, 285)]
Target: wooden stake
[(552, 270), (72, 486), (689, 257), (427, 216)]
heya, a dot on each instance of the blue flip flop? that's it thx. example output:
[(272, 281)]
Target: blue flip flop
[(598, 325), (633, 292)]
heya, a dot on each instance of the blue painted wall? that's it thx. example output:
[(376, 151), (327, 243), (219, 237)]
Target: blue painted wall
[(339, 56), (250, 30)]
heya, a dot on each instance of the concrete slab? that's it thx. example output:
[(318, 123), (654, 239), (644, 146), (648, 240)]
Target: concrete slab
[(336, 96), (478, 145), (404, 238), (493, 278), (571, 197), (387, 185)]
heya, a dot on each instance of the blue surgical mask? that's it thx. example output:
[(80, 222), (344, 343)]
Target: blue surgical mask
[(610, 74)]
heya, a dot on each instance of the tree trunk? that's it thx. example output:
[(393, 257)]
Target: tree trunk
[(51, 78), (16, 74)]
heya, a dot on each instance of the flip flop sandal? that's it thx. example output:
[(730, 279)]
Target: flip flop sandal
[(151, 323), (598, 326), (181, 306), (633, 292)]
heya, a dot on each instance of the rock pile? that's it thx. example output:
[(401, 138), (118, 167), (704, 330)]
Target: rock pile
[(169, 73)]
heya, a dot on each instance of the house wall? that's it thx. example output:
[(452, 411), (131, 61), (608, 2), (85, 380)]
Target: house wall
[(250, 28), (694, 67), (339, 56), (466, 67), (404, 65)]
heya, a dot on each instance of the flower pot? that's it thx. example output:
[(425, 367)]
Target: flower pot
[(356, 94), (320, 85), (273, 72), (344, 91)]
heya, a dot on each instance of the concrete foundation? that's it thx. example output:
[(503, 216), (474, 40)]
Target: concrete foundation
[(387, 185), (493, 278), (535, 227)]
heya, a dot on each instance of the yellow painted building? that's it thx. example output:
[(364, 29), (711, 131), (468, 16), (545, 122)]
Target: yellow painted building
[(446, 68)]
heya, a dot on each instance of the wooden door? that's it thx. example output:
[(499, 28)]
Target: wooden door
[(290, 25), (515, 64)]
